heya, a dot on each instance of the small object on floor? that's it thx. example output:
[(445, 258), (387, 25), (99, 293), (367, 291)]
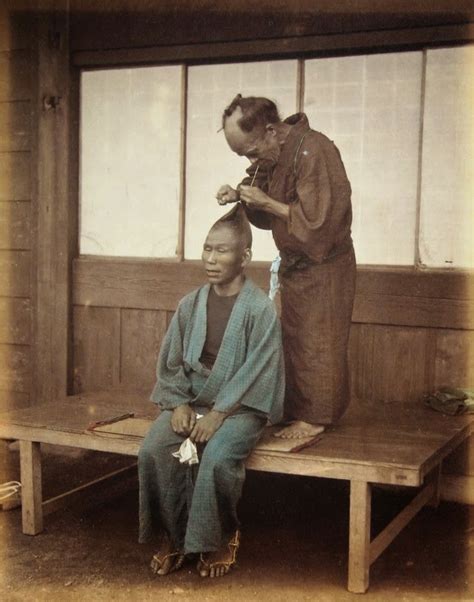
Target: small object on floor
[(218, 564), (451, 401), (10, 495)]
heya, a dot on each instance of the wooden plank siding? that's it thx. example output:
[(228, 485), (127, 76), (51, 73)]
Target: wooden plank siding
[(16, 368), (15, 225), (15, 126), (389, 296), (454, 358), (412, 331), (17, 89), (15, 276), (313, 46), (251, 29), (96, 348), (15, 321), (15, 176), (16, 75), (395, 353), (388, 363), (141, 334)]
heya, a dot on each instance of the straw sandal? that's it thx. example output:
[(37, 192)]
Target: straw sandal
[(10, 495), (205, 567), (158, 561)]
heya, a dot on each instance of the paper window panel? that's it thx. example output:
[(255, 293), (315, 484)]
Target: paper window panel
[(130, 161), (447, 185), (210, 162), (370, 107)]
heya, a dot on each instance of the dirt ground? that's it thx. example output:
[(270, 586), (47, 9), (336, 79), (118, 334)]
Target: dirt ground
[(294, 546)]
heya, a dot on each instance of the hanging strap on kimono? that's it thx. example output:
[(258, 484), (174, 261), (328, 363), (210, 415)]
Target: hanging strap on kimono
[(274, 282)]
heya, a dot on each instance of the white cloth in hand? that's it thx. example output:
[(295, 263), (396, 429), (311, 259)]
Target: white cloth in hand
[(187, 453)]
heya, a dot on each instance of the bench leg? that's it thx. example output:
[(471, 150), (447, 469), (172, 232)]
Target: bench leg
[(31, 494), (436, 478), (359, 537)]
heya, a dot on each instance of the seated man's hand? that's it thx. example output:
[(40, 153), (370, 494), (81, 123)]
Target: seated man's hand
[(206, 426), (183, 420), (226, 194)]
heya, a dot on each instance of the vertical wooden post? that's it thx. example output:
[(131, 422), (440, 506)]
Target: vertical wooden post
[(435, 477), (359, 537), (300, 86), (31, 494), (180, 251), (53, 213)]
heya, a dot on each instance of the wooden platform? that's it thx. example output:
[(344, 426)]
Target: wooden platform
[(392, 443)]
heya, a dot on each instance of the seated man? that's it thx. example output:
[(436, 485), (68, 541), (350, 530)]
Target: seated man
[(221, 358)]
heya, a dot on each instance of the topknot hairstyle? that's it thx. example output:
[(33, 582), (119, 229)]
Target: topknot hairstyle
[(257, 112), (236, 220)]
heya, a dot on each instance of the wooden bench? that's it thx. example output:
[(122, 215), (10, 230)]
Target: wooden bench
[(386, 443)]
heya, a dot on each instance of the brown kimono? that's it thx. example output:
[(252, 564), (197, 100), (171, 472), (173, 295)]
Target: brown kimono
[(317, 272)]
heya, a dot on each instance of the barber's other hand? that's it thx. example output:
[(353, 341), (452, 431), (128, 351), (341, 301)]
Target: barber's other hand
[(206, 426), (183, 420), (255, 198), (226, 194)]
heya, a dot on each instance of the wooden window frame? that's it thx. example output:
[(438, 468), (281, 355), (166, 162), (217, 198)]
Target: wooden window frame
[(299, 48)]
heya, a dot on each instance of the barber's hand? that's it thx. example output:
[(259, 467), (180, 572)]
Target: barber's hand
[(183, 420), (226, 194), (205, 427), (255, 198)]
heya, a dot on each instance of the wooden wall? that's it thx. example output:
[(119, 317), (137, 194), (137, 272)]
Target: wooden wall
[(17, 146), (412, 332), (118, 24)]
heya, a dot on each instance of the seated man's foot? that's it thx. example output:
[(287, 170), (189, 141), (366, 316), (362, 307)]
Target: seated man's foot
[(218, 564), (299, 429), (167, 559)]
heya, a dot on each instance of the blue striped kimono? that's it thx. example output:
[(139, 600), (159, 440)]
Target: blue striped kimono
[(198, 511)]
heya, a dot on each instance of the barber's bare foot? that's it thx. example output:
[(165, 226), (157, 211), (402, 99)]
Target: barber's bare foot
[(166, 560), (299, 430), (218, 564)]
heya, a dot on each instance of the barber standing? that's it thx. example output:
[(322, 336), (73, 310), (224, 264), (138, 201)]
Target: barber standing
[(297, 187)]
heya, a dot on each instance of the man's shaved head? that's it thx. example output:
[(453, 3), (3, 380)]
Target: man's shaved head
[(255, 112), (236, 221)]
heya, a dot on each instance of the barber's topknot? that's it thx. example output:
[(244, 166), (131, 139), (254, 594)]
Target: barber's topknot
[(237, 221), (257, 112)]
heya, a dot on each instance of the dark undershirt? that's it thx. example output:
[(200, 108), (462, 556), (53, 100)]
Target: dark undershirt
[(218, 313)]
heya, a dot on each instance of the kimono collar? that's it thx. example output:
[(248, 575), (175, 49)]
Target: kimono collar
[(287, 160), (195, 335), (299, 127)]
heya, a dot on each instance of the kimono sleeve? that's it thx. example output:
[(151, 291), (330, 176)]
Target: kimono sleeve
[(259, 383), (310, 215), (259, 219), (172, 387)]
